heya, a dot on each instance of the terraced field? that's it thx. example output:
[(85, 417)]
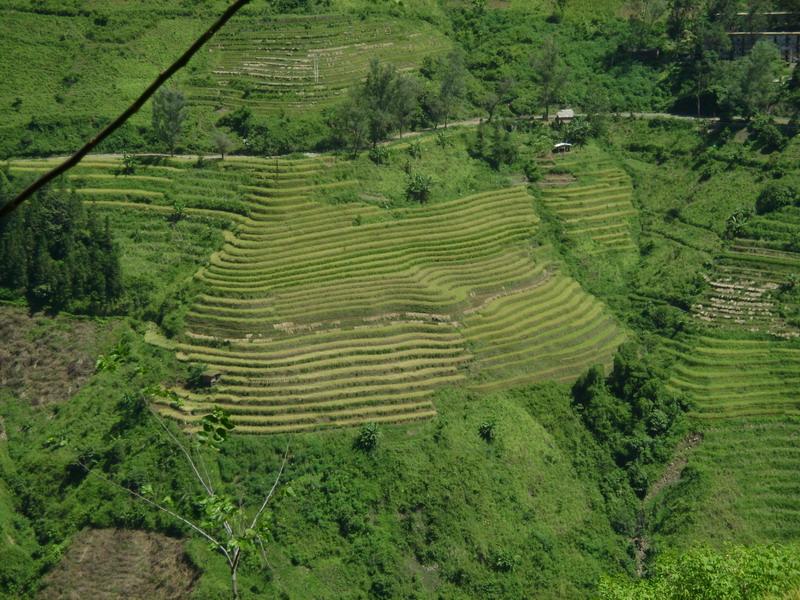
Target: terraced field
[(596, 207), (750, 272), (552, 329), (747, 392), (305, 62), (322, 314)]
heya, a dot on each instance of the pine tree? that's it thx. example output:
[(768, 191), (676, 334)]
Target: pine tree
[(59, 255)]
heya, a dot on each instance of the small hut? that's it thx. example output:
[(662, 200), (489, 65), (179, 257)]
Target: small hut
[(209, 377), (562, 147), (565, 115)]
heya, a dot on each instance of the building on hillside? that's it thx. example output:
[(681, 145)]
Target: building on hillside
[(562, 147), (565, 115), (209, 377), (780, 28)]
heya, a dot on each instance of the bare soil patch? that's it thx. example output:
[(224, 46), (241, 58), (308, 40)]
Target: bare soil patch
[(47, 359), (116, 563)]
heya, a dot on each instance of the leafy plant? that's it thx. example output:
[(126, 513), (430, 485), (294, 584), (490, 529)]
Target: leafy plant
[(379, 155), (419, 186), (487, 431), (367, 438), (195, 378), (774, 197)]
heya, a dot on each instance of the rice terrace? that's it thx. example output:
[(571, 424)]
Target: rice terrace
[(381, 299)]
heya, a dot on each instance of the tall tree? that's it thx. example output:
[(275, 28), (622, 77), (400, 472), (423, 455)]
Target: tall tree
[(501, 92), (378, 100), (549, 74), (349, 122), (59, 255), (454, 82), (169, 113), (231, 529), (761, 78), (406, 102), (750, 85), (222, 143)]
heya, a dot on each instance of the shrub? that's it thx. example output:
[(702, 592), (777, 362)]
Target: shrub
[(504, 561), (367, 438), (418, 187), (379, 155), (415, 149), (774, 197), (704, 573), (194, 379), (532, 171), (736, 222), (766, 134), (178, 211), (487, 431), (578, 131), (129, 162)]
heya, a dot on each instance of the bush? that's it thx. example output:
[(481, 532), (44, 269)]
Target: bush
[(487, 431), (732, 573), (415, 149), (774, 197), (766, 134), (379, 155), (194, 379), (532, 171), (418, 187), (367, 438), (578, 131)]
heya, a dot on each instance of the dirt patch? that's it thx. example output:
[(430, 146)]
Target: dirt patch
[(45, 359), (118, 563), (673, 471)]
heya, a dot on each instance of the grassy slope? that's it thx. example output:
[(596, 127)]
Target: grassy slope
[(433, 511), (745, 392), (85, 62), (19, 543), (740, 481)]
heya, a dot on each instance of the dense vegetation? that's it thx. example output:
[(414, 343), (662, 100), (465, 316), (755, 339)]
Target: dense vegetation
[(59, 255), (500, 372)]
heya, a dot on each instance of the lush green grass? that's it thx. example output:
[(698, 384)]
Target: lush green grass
[(745, 396), (84, 63)]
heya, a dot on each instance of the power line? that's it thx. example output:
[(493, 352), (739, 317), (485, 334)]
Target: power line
[(73, 160)]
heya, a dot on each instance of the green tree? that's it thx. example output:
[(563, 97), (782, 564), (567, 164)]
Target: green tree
[(378, 100), (169, 114), (454, 82), (230, 528), (349, 123), (776, 196), (761, 73), (500, 93), (418, 187), (59, 255), (792, 96), (549, 74), (405, 103), (222, 143)]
